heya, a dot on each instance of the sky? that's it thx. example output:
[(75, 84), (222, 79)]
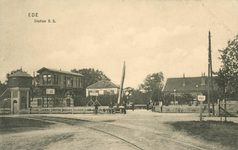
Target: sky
[(169, 36)]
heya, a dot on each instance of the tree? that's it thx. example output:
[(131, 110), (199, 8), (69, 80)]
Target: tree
[(91, 76), (153, 84), (139, 97), (227, 79), (186, 98)]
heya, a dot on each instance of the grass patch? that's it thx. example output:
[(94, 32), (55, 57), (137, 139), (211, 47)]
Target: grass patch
[(13, 125), (225, 133)]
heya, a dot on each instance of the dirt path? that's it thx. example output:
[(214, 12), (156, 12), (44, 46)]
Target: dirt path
[(135, 130)]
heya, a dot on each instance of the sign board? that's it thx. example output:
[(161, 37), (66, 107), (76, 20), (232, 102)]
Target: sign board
[(93, 94), (50, 91), (201, 97)]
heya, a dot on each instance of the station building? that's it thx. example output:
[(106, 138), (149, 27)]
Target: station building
[(56, 88)]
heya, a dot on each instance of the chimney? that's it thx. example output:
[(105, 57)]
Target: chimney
[(203, 79), (184, 79)]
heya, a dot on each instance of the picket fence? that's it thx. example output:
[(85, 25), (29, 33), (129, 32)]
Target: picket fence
[(69, 110), (5, 111), (179, 109)]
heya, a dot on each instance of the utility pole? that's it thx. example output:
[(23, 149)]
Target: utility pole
[(209, 73)]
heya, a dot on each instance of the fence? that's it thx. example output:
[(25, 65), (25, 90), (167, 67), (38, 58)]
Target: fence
[(4, 111), (180, 109), (69, 110), (224, 108)]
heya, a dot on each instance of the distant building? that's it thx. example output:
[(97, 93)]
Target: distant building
[(19, 85), (57, 88), (104, 87), (189, 85)]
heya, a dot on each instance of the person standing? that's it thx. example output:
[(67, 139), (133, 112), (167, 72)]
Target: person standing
[(133, 106), (111, 108), (124, 104), (96, 107), (147, 105)]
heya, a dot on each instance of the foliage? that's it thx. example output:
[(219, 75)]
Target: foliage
[(139, 97), (186, 98), (91, 76), (167, 99), (227, 79), (153, 84)]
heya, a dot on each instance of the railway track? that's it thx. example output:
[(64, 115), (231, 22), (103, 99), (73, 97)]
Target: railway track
[(71, 121), (89, 125)]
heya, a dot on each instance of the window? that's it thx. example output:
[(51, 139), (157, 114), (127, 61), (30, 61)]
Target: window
[(112, 92), (55, 79), (106, 92), (70, 81), (47, 79), (15, 94), (64, 80), (80, 84), (44, 79)]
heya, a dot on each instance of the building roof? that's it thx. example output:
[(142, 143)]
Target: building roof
[(102, 84), (192, 84), (20, 74), (59, 71)]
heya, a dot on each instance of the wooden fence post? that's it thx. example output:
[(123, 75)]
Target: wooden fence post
[(225, 108)]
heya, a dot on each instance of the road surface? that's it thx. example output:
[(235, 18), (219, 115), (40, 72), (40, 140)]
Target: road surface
[(136, 130)]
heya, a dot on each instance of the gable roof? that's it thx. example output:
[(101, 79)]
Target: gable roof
[(192, 84), (20, 74), (102, 84), (59, 71)]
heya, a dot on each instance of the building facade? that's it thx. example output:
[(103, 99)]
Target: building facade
[(187, 85), (102, 88), (56, 88), (19, 84)]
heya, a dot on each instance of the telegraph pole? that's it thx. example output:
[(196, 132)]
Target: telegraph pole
[(209, 73)]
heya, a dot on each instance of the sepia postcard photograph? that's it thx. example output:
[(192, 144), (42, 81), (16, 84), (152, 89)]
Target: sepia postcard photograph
[(118, 74)]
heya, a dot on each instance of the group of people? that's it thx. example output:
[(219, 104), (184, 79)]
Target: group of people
[(121, 108), (113, 110)]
